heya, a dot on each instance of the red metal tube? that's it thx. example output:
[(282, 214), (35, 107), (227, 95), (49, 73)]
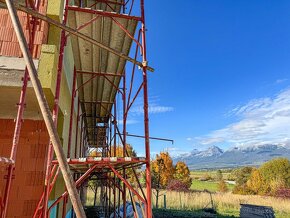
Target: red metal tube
[(133, 100), (81, 139), (115, 152), (101, 73), (85, 83), (146, 115), (107, 2), (71, 112), (115, 128), (16, 136), (133, 70), (127, 183), (112, 84), (77, 129), (51, 187), (124, 141), (86, 24), (126, 31), (55, 111), (64, 207), (78, 183), (103, 13)]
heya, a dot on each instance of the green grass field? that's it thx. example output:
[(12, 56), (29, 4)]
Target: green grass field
[(212, 173), (226, 204), (207, 185)]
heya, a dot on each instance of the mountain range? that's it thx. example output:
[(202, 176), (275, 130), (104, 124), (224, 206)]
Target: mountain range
[(215, 157)]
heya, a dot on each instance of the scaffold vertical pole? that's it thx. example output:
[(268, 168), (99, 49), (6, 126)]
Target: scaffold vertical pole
[(146, 115), (124, 139), (55, 112), (115, 145), (77, 128), (15, 142)]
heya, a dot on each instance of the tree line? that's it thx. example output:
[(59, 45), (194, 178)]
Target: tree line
[(271, 178)]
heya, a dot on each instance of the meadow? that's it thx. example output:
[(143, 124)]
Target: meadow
[(211, 186), (198, 174), (191, 204), (226, 204)]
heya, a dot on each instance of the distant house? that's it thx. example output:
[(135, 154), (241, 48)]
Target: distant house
[(230, 182)]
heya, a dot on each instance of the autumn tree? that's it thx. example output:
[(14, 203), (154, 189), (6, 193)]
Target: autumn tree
[(129, 152), (255, 182), (163, 165), (219, 175), (275, 185), (271, 177), (205, 177), (222, 186), (161, 173), (276, 170), (241, 176), (182, 173)]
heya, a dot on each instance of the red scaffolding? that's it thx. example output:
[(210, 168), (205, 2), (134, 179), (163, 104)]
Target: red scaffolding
[(106, 31)]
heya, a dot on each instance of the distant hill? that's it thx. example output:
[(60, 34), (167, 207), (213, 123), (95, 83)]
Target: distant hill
[(215, 157)]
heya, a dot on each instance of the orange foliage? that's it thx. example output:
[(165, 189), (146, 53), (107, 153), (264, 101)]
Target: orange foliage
[(182, 173), (162, 166)]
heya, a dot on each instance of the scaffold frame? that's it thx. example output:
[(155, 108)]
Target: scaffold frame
[(112, 168)]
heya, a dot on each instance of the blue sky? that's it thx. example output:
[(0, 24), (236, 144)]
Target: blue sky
[(221, 74)]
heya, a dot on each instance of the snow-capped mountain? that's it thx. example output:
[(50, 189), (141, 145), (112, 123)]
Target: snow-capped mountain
[(212, 151), (215, 157)]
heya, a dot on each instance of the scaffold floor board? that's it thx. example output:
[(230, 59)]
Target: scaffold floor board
[(81, 165)]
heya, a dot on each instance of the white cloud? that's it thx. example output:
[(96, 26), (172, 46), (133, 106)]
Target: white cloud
[(153, 108), (159, 109), (278, 81), (172, 149), (175, 151), (209, 140), (188, 139), (261, 121)]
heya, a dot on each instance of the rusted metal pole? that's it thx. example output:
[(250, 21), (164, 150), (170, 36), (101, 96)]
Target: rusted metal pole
[(15, 142), (153, 138), (146, 114), (115, 145), (77, 129), (124, 141), (78, 183), (46, 113)]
